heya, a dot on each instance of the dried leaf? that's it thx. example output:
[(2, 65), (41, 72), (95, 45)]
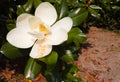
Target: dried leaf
[(40, 78)]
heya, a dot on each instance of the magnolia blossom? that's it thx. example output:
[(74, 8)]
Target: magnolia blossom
[(40, 31)]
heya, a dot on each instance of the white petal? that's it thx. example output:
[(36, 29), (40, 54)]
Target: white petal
[(20, 38), (34, 23), (47, 13), (65, 23), (40, 50), (57, 36), (23, 21)]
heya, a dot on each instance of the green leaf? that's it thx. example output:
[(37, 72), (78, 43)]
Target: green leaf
[(74, 12), (95, 7), (20, 9), (10, 26), (71, 75), (63, 9), (50, 60), (28, 5), (76, 36), (73, 3), (116, 7), (73, 69), (36, 3), (84, 1), (79, 18), (68, 57), (105, 1), (77, 11), (94, 13), (10, 51), (81, 38), (50, 0), (32, 68), (72, 78)]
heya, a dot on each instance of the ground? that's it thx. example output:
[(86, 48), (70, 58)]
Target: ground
[(98, 60)]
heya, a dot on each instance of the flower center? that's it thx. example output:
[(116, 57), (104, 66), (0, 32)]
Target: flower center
[(43, 29), (42, 32)]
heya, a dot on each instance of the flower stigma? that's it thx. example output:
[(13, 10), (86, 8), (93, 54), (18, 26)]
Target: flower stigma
[(43, 29), (42, 34)]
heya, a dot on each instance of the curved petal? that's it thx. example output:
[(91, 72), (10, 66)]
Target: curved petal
[(57, 36), (34, 23), (20, 38), (23, 21), (47, 13), (38, 26), (65, 23), (40, 50)]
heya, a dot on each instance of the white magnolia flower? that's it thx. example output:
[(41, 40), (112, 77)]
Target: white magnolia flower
[(40, 31)]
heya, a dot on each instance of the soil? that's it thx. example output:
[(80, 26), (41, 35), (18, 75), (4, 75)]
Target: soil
[(99, 59), (12, 70)]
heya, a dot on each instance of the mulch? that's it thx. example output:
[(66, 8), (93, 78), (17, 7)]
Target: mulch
[(99, 59)]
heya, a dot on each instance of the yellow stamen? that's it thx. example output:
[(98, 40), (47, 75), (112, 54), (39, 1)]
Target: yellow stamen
[(43, 29)]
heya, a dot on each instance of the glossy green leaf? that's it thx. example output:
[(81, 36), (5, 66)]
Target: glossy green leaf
[(79, 18), (84, 1), (76, 36), (108, 7), (81, 5), (32, 68), (74, 12), (116, 7), (105, 1), (49, 76), (10, 51), (50, 60), (74, 69), (63, 9), (68, 57), (79, 39), (71, 75), (95, 7), (72, 78), (36, 3), (50, 0), (94, 13), (28, 5), (10, 26), (73, 3), (20, 9)]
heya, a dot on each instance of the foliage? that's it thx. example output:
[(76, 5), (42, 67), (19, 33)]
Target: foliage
[(58, 66), (110, 17)]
